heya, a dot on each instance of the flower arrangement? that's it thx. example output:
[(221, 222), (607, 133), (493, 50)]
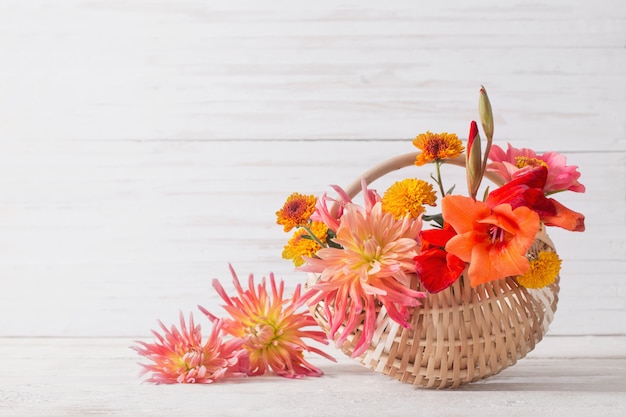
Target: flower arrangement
[(365, 256), (472, 281)]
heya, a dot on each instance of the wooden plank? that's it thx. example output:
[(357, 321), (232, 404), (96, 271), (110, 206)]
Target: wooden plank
[(78, 377), (144, 145), (137, 69), (106, 237), (92, 232)]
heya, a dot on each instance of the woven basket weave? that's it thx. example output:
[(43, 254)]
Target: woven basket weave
[(460, 334)]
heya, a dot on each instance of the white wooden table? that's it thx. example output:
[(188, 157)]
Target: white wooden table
[(144, 145), (564, 376)]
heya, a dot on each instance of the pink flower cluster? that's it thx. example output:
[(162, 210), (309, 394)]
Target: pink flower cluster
[(515, 162), (264, 332), (371, 265), (179, 355)]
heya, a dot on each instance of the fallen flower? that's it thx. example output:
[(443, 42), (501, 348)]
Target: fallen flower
[(270, 328), (179, 356)]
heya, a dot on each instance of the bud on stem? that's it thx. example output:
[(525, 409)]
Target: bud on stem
[(486, 119), (485, 113), (473, 162)]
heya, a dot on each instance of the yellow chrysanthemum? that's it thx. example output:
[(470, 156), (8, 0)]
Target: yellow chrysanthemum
[(543, 271), (525, 161), (408, 197), (296, 211), (299, 246), (437, 146)]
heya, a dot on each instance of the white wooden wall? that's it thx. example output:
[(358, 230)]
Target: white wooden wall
[(145, 144)]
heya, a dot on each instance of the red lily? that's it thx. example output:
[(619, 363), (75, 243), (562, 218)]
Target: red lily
[(527, 191), (437, 269)]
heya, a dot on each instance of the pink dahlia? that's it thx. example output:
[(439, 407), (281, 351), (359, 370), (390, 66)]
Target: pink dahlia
[(270, 328), (374, 264), (514, 162), (179, 355), (331, 216)]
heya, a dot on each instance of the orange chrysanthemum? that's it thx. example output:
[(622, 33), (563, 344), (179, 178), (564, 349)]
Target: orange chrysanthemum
[(271, 329), (180, 356), (543, 271), (301, 245), (408, 197), (296, 211), (437, 147), (494, 241)]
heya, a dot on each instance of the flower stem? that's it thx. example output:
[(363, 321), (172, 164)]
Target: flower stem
[(312, 235), (439, 181)]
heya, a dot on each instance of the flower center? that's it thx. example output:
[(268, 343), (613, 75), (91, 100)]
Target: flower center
[(434, 146), (524, 161), (193, 358), (262, 334), (371, 250), (295, 207), (497, 234)]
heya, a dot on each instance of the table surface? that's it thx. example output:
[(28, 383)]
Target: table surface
[(563, 376)]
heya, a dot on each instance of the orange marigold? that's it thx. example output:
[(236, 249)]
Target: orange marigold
[(437, 146), (296, 211)]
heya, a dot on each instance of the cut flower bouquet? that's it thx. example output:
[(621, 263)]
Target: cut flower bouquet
[(429, 286), (447, 294)]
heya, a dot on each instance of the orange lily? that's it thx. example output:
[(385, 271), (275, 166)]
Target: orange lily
[(494, 241)]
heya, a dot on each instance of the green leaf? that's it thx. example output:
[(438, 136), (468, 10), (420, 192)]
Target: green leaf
[(330, 235), (437, 218)]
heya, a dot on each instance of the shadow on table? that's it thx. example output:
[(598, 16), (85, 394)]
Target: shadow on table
[(576, 375), (615, 385), (554, 375)]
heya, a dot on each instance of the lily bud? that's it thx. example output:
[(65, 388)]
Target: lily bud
[(485, 113), (473, 161)]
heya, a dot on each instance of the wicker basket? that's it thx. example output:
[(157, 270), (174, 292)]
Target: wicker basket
[(460, 334)]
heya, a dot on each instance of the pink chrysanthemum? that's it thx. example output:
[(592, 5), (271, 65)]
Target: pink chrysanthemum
[(270, 328), (515, 162), (180, 356), (374, 265)]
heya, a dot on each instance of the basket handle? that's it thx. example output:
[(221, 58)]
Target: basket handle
[(406, 160), (403, 161)]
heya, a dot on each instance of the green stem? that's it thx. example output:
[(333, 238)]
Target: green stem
[(485, 159), (312, 235), (439, 181)]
